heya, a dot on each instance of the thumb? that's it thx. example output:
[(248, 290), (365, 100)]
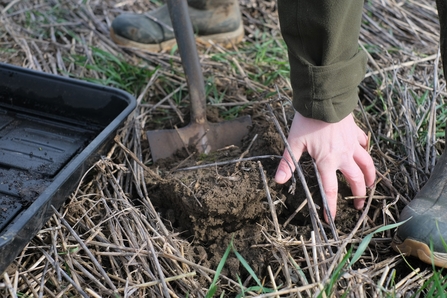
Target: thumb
[(286, 166)]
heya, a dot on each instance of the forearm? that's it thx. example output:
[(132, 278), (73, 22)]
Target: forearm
[(325, 61)]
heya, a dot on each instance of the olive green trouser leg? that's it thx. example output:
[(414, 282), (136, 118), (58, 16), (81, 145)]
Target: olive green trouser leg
[(326, 64)]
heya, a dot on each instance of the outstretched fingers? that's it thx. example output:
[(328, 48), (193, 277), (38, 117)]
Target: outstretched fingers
[(359, 172), (334, 146)]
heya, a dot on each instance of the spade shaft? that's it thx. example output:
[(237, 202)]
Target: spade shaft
[(201, 134), (184, 34)]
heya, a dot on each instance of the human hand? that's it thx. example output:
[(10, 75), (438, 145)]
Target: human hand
[(333, 146)]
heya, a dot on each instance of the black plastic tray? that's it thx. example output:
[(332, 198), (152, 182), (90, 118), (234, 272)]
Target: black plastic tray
[(52, 129)]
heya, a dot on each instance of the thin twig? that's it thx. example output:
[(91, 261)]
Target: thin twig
[(270, 201)]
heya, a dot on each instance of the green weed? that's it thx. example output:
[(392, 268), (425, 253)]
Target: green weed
[(343, 265), (112, 71), (264, 61), (259, 288), (435, 286)]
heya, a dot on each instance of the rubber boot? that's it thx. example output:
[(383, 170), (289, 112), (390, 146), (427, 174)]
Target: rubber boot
[(425, 232), (218, 21), (424, 235)]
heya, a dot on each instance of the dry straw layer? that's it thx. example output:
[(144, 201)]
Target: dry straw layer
[(101, 244)]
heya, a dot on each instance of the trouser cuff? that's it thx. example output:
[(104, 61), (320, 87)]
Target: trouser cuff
[(327, 93)]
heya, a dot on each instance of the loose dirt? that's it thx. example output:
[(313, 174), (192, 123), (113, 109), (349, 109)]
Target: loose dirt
[(211, 206)]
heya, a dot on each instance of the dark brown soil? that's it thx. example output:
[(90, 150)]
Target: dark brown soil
[(211, 206)]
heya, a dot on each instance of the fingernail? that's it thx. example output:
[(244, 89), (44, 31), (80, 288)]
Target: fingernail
[(280, 176)]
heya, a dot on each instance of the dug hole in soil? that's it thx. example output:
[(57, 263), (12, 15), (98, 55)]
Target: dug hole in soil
[(209, 207)]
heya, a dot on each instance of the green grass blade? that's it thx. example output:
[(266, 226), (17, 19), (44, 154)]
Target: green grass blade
[(365, 242), (213, 287), (247, 267), (336, 275), (259, 288)]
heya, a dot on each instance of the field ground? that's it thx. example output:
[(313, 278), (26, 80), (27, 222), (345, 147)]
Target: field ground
[(137, 229)]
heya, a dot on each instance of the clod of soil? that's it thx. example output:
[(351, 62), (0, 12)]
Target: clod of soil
[(211, 206)]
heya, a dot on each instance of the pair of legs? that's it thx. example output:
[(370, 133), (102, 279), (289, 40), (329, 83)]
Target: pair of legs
[(329, 56)]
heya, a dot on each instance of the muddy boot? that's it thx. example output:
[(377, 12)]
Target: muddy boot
[(424, 235), (218, 21), (425, 232)]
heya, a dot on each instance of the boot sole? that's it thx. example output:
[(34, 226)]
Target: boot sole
[(410, 247), (227, 40)]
